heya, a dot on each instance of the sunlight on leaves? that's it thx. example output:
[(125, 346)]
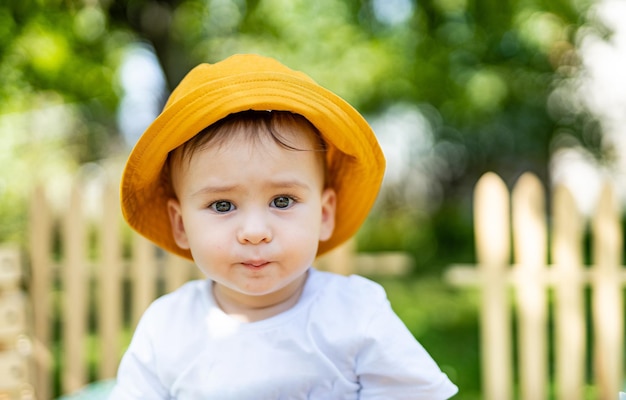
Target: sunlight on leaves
[(90, 23), (486, 89), (47, 51), (541, 29)]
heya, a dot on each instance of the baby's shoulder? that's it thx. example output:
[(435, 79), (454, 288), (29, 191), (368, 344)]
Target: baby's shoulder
[(181, 304), (343, 310), (350, 292)]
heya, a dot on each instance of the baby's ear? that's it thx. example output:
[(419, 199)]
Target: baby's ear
[(176, 221), (329, 205)]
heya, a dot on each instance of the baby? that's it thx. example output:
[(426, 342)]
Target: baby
[(252, 170)]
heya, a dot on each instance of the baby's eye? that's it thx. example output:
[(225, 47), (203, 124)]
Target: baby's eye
[(282, 202), (222, 206)]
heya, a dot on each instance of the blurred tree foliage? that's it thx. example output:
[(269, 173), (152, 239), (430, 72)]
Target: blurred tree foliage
[(479, 77), (480, 72)]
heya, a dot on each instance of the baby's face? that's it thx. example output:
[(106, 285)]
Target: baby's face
[(253, 212)]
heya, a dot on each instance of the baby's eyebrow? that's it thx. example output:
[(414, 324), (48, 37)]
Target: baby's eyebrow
[(289, 184), (215, 189), (275, 184)]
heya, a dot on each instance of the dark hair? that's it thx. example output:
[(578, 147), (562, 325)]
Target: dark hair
[(254, 124)]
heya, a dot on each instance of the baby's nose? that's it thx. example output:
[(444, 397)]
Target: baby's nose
[(255, 229)]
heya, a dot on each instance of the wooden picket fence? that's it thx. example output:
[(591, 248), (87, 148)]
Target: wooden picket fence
[(529, 289), (90, 277), (89, 280), (81, 283)]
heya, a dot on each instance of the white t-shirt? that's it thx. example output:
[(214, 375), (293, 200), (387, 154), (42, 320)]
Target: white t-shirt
[(340, 341)]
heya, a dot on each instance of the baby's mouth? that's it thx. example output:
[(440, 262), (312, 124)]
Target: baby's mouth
[(255, 263)]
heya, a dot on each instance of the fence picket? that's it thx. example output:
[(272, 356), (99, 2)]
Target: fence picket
[(109, 274), (608, 309), (74, 280), (40, 242), (177, 271), (530, 255), (143, 276), (570, 331), (492, 232)]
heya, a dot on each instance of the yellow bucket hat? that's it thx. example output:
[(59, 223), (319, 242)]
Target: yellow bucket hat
[(210, 92)]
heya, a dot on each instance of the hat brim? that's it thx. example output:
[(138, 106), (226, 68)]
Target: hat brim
[(355, 162)]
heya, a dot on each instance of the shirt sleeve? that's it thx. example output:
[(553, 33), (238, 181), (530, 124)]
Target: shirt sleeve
[(137, 377), (392, 364)]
